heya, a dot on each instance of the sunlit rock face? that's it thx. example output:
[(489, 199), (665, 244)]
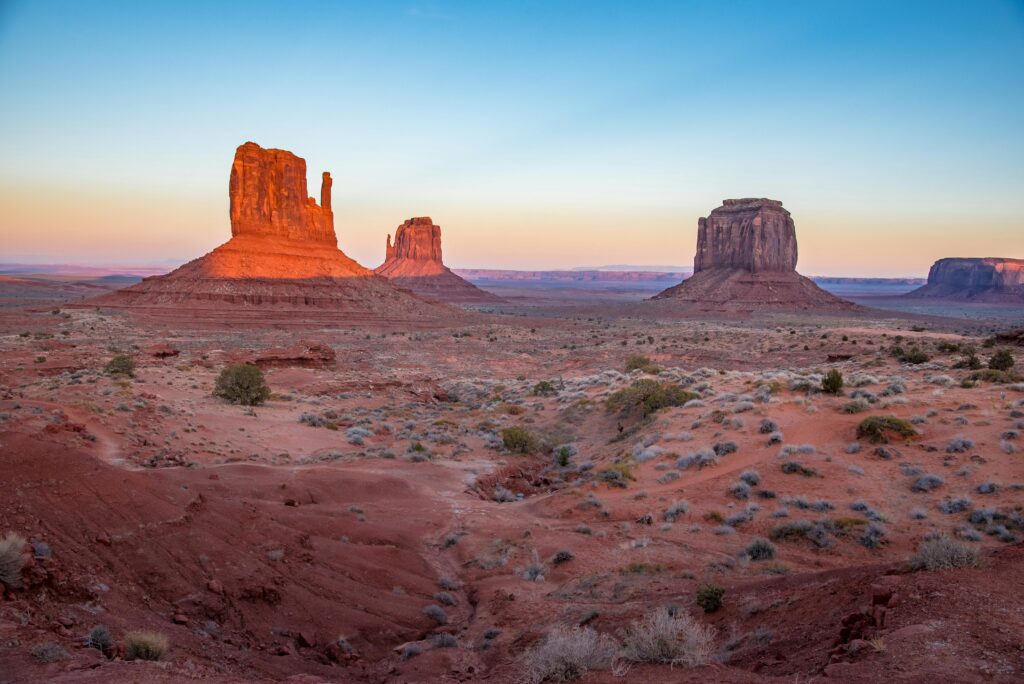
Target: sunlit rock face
[(983, 279), (746, 261), (414, 262), (268, 197), (282, 255)]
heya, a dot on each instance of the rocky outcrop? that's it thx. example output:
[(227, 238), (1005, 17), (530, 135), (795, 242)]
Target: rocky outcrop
[(268, 198), (282, 255), (746, 261), (750, 234), (983, 280), (414, 262)]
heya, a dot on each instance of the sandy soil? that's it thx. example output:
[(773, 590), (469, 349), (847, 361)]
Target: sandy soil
[(302, 540)]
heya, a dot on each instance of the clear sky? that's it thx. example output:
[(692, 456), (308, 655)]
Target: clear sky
[(537, 134)]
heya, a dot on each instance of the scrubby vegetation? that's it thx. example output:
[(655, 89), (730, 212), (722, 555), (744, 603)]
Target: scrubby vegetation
[(243, 384), (710, 597), (832, 383), (145, 645), (647, 396), (878, 429), (566, 654), (12, 560), (943, 553), (121, 364), (519, 440), (641, 363), (669, 637), (1002, 360)]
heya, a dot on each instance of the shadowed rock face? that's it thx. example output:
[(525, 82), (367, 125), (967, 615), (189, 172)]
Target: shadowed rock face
[(268, 198), (414, 262), (750, 234), (987, 279), (746, 260)]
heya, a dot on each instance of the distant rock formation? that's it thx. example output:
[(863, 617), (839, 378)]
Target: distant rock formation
[(993, 280), (746, 260), (414, 262), (282, 254)]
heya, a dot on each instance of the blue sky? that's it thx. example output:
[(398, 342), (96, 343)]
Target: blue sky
[(538, 135)]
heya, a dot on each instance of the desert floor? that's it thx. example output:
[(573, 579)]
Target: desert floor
[(307, 539)]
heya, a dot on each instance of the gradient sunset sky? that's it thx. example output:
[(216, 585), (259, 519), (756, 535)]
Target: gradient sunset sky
[(537, 134)]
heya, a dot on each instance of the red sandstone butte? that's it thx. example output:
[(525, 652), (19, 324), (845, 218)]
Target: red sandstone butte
[(746, 260), (282, 254), (414, 262), (992, 279)]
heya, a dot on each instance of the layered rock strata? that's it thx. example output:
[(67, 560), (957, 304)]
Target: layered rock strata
[(991, 279), (746, 260), (283, 254), (414, 262)]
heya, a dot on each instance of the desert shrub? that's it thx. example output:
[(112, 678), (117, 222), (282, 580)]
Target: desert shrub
[(1002, 360), (562, 556), (674, 638), (519, 440), (49, 652), (878, 428), (100, 639), (641, 363), (436, 613), (943, 553), (144, 645), (959, 445), (12, 560), (767, 426), (872, 537), (242, 383), (958, 505), (675, 510), (647, 396), (751, 477), (927, 483), (544, 388), (710, 597), (832, 383), (740, 490), (802, 529), (444, 598), (724, 448), (761, 549), (988, 488), (913, 356), (791, 467), (121, 364), (856, 405), (970, 361), (566, 654), (443, 640)]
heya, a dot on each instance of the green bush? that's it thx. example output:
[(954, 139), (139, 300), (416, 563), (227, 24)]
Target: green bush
[(914, 355), (647, 396), (878, 428), (544, 388), (242, 384), (1002, 360), (641, 363), (121, 364), (832, 383), (519, 440), (710, 597)]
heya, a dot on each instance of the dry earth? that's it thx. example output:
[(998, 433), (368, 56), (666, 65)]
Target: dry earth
[(304, 539)]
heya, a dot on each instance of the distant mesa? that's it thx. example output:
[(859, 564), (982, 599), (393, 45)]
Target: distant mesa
[(414, 262), (746, 260), (282, 253), (990, 280)]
